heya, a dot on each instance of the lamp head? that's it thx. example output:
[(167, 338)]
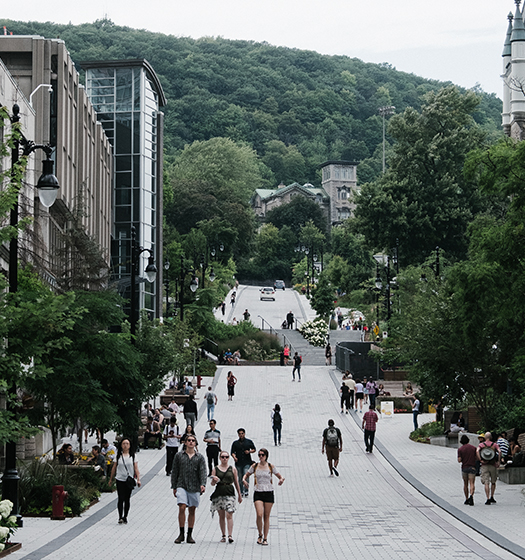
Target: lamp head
[(151, 270), (47, 184)]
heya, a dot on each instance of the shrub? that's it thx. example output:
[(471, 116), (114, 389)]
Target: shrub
[(314, 331), (266, 345), (424, 432), (7, 523)]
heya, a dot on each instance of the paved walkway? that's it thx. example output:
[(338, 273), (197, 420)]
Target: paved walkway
[(370, 511)]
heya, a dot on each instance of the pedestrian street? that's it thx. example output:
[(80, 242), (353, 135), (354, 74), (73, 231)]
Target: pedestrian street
[(369, 511)]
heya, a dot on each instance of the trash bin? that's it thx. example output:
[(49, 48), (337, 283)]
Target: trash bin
[(281, 358)]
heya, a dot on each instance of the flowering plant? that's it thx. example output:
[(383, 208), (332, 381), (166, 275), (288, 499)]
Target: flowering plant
[(314, 331), (7, 522)]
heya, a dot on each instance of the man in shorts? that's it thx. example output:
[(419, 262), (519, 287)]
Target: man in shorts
[(489, 469), (467, 458), (188, 480), (241, 451), (333, 443)]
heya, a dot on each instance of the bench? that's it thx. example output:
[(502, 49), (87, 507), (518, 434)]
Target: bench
[(511, 475)]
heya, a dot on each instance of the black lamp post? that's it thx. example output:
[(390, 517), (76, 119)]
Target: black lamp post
[(151, 275), (47, 192), (194, 284), (435, 266), (167, 284)]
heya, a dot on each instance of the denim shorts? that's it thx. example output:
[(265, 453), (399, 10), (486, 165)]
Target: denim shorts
[(191, 499)]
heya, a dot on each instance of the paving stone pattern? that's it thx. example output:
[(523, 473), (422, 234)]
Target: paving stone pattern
[(370, 511)]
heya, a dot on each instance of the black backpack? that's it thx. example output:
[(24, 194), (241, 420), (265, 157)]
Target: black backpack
[(277, 420)]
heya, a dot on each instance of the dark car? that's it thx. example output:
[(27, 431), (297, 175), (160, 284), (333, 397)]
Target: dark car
[(279, 285)]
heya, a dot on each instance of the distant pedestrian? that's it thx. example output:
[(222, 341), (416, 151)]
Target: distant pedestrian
[(372, 391), (328, 354), (188, 481), (241, 451), (350, 383), (232, 299), (369, 423), (277, 423), (211, 401), (359, 395), (289, 319), (416, 405), (189, 431), (190, 411), (503, 445), (263, 495), (333, 443), (467, 458), (172, 438), (490, 456), (344, 391), (246, 315), (297, 361), (231, 380), (125, 471), (223, 308), (365, 390), (286, 353), (223, 499), (212, 438)]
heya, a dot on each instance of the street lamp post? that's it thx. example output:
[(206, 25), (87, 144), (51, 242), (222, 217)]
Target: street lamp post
[(151, 275), (167, 285), (47, 192)]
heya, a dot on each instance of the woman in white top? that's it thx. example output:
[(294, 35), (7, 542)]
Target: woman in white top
[(263, 497), (359, 395), (124, 466)]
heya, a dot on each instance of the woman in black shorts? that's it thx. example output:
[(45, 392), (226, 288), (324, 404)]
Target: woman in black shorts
[(231, 380), (263, 492)]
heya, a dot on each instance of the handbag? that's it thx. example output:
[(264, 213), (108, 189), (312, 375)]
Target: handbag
[(130, 481)]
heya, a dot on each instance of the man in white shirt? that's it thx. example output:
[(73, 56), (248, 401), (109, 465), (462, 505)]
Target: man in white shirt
[(172, 437)]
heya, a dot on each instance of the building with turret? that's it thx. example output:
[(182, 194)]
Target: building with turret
[(513, 116)]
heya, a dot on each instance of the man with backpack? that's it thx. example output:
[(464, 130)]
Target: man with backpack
[(489, 455), (211, 401), (297, 361), (333, 443)]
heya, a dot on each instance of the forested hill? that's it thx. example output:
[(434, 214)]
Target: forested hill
[(296, 108)]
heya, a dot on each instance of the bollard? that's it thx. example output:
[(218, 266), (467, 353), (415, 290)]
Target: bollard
[(59, 497)]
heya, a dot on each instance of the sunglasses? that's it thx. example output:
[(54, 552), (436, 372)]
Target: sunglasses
[(261, 454), (225, 456), (191, 441)]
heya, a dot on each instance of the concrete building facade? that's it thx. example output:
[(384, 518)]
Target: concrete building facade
[(339, 180), (45, 74)]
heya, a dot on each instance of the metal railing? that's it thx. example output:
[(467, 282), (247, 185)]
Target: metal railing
[(275, 332)]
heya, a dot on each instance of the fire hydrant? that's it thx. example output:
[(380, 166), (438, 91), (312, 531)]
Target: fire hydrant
[(59, 496)]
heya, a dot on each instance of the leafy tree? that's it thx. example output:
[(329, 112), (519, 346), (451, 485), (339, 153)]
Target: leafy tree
[(323, 297), (424, 200), (296, 214)]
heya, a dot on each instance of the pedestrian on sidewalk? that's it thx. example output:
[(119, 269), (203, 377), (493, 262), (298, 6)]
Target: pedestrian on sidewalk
[(370, 419), (223, 308), (189, 431), (333, 443), (328, 354), (190, 411), (277, 423), (416, 405), (188, 481), (372, 391), (350, 383), (212, 438), (489, 454), (344, 391), (125, 470), (211, 401), (231, 380), (246, 315), (297, 361), (241, 451), (467, 458), (171, 437), (286, 353), (223, 499), (289, 319), (263, 495), (359, 395), (365, 390)]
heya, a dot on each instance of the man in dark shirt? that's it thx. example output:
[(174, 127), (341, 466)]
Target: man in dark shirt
[(333, 443), (467, 458), (241, 452)]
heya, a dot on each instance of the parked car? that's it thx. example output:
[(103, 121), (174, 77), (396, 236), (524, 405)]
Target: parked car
[(279, 285), (268, 293)]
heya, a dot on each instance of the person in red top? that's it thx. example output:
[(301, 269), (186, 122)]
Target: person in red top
[(467, 458), (370, 419)]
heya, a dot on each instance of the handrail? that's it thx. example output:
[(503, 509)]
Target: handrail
[(274, 331)]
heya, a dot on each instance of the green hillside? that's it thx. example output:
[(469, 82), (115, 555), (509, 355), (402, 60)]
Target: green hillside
[(296, 108)]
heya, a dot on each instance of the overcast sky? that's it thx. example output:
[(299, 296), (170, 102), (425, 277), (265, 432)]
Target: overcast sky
[(456, 40)]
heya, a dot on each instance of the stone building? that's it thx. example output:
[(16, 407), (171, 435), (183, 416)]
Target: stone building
[(513, 115), (56, 106), (339, 180)]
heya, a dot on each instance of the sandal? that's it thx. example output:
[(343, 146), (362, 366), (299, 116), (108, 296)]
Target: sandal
[(260, 539), (265, 542), (230, 540), (223, 538)]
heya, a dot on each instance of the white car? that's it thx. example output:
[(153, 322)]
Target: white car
[(268, 293)]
